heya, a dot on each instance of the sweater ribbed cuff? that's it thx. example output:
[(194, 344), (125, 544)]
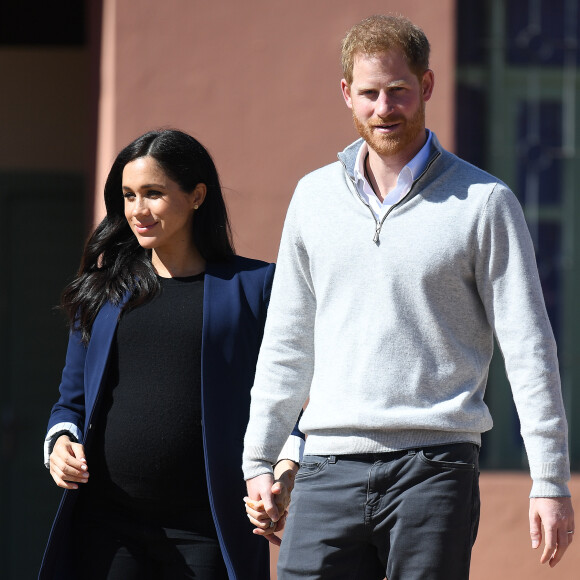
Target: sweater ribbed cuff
[(549, 489)]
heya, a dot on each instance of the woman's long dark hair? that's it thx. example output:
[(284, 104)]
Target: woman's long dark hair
[(113, 263)]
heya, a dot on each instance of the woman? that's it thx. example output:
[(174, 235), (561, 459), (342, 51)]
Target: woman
[(166, 324)]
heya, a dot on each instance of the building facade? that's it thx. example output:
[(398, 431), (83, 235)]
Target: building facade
[(257, 82)]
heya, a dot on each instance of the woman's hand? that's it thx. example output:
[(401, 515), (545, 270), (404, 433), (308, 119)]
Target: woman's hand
[(284, 477), (68, 465), (284, 474), (264, 526)]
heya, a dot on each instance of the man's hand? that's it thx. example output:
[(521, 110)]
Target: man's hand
[(268, 500), (556, 516), (261, 506), (68, 465)]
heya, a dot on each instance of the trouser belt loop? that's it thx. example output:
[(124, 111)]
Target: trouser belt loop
[(412, 452)]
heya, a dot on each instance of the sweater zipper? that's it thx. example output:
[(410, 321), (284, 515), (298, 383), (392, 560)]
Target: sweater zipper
[(379, 224)]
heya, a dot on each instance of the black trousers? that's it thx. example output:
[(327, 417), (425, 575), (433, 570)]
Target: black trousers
[(407, 515), (116, 544)]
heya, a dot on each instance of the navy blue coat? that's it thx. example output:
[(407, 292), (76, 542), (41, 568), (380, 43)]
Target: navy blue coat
[(236, 296)]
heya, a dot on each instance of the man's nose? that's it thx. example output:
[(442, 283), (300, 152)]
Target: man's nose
[(383, 105)]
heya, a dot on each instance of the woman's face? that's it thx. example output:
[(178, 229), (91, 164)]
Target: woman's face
[(159, 212)]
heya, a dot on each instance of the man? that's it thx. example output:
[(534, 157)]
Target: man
[(397, 265)]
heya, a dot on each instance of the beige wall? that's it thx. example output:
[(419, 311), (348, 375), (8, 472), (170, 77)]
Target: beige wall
[(257, 82)]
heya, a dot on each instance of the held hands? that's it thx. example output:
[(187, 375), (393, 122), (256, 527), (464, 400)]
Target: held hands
[(68, 465), (267, 504), (556, 516)]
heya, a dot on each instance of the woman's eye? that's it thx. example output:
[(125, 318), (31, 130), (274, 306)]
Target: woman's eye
[(128, 195)]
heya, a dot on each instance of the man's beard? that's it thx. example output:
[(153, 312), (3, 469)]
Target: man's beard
[(391, 144)]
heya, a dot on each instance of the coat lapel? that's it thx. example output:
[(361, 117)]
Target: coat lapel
[(98, 352)]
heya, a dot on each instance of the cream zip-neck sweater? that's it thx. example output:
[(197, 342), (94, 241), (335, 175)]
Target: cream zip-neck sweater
[(387, 326)]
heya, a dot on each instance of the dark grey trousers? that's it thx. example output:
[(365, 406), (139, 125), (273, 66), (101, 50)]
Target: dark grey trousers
[(409, 515)]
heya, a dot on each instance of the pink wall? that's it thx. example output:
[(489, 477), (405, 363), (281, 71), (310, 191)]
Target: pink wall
[(257, 82)]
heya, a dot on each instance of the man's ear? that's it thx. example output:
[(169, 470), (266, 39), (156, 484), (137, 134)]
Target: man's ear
[(345, 88), (427, 84)]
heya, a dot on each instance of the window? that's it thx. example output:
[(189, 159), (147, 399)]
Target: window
[(517, 116)]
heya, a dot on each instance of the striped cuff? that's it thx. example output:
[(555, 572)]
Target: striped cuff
[(293, 449), (49, 443)]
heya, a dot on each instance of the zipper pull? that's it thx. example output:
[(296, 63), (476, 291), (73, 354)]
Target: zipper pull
[(377, 233)]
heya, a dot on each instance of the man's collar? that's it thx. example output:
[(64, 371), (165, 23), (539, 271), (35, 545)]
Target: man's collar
[(419, 162)]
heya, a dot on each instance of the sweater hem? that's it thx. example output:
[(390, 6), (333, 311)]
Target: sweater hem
[(384, 441)]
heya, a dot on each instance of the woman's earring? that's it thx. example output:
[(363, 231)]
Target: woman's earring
[(196, 206)]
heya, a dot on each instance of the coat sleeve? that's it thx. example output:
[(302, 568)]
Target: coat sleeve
[(68, 413)]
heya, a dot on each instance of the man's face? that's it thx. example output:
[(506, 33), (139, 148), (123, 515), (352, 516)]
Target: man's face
[(388, 103)]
